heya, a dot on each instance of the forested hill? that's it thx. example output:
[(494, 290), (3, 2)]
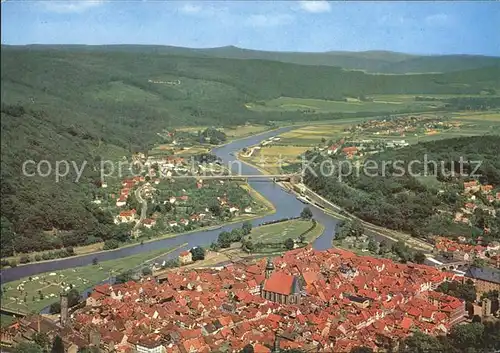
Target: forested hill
[(425, 201), (86, 105), (370, 61)]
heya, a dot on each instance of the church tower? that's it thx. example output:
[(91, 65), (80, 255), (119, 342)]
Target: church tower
[(269, 268), (276, 345), (64, 308)]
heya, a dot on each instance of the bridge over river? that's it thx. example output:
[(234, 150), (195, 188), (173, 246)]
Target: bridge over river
[(285, 204)]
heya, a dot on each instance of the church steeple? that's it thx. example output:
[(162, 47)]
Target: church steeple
[(276, 345), (269, 267)]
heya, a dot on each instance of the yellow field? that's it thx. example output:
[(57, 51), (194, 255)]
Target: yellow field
[(190, 151), (271, 158), (312, 135), (191, 128), (480, 116), (244, 130), (231, 132)]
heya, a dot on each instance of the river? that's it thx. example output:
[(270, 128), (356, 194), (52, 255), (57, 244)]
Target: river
[(286, 206)]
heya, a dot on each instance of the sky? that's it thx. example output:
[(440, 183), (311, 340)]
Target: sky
[(418, 27)]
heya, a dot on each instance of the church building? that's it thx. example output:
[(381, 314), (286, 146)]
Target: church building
[(280, 287)]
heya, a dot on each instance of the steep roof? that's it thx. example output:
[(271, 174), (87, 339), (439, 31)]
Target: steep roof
[(485, 274), (280, 283)]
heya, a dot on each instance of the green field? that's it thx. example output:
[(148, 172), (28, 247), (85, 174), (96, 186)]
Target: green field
[(80, 277), (279, 232), (330, 106)]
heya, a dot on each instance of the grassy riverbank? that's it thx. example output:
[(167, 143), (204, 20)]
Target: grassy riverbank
[(24, 294), (97, 248), (271, 233)]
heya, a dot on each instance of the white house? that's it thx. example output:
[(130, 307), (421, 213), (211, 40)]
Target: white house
[(122, 201)]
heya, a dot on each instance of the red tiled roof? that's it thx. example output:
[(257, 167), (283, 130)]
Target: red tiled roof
[(280, 283)]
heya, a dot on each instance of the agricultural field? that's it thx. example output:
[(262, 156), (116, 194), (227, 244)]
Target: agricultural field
[(330, 106), (24, 294), (244, 130), (270, 158), (313, 135), (232, 132)]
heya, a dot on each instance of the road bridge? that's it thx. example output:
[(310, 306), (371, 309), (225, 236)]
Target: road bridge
[(293, 178)]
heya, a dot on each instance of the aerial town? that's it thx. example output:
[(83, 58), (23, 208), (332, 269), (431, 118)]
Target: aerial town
[(326, 301), (211, 176)]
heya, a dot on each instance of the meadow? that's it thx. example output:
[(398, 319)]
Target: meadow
[(270, 158), (279, 232), (24, 294), (330, 106)]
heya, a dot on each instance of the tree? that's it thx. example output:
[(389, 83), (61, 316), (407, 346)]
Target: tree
[(73, 297), (215, 208), (361, 349), (306, 213), (372, 246), (289, 244), (58, 345), (42, 340), (419, 257), (89, 350), (28, 347), (111, 244), (146, 271), (198, 253), (247, 227), (249, 246), (465, 291), (383, 247), (420, 343), (467, 336), (247, 349), (55, 308), (224, 239)]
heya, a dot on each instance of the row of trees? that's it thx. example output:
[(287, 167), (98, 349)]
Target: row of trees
[(41, 344), (225, 238), (355, 229)]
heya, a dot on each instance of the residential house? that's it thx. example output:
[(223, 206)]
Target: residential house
[(149, 222), (122, 201), (127, 216), (185, 257)]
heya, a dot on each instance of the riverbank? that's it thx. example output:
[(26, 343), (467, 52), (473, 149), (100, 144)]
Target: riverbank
[(285, 204), (35, 293), (273, 233), (97, 248), (337, 212)]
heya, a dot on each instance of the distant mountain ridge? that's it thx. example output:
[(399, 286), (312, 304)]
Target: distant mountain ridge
[(373, 61)]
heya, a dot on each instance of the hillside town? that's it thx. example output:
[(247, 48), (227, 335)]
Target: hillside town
[(326, 301), (403, 125), (177, 205)]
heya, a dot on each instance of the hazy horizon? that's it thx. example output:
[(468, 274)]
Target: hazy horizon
[(418, 28), (333, 51)]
